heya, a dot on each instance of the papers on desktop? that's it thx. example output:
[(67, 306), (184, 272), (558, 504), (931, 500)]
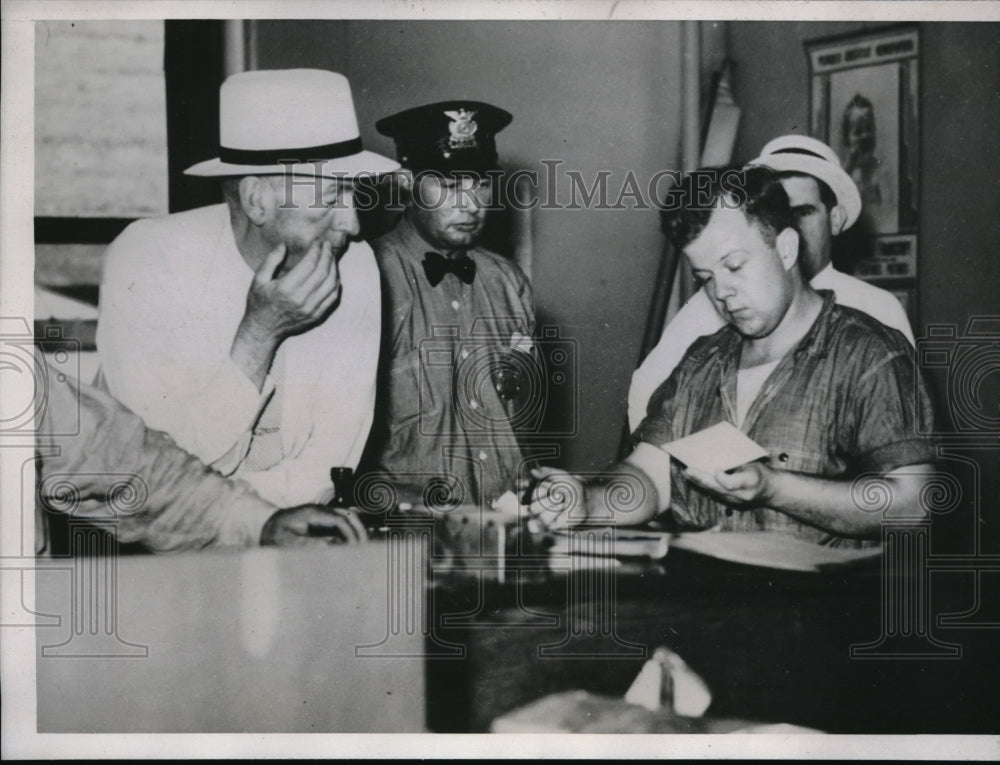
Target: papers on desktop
[(626, 543), (720, 447), (771, 549)]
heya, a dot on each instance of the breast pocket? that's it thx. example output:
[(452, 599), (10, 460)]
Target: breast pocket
[(800, 461)]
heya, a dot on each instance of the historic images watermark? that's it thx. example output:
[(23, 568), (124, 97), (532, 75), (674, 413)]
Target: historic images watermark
[(965, 363), (553, 187), (44, 412)]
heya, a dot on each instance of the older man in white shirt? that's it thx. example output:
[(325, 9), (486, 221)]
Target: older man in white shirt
[(249, 331), (826, 202)]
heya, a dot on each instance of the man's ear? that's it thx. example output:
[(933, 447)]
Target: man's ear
[(787, 245), (256, 199), (838, 217), (404, 180)]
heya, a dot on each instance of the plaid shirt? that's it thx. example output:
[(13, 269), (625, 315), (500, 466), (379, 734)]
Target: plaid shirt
[(846, 401)]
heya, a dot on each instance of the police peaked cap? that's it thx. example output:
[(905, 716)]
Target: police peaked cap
[(447, 137)]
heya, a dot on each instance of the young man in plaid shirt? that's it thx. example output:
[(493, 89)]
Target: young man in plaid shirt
[(828, 391)]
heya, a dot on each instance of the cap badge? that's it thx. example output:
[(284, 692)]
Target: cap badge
[(462, 129)]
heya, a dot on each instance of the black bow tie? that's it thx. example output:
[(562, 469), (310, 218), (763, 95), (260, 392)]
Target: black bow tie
[(437, 265)]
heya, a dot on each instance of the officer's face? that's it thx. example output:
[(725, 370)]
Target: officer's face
[(742, 273), (449, 213)]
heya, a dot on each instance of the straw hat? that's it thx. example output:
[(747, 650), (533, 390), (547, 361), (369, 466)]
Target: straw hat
[(802, 154), (299, 121)]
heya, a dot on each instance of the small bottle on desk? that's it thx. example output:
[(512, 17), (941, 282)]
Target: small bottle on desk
[(343, 487)]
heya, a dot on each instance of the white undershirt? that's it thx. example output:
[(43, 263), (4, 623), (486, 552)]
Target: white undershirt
[(749, 381)]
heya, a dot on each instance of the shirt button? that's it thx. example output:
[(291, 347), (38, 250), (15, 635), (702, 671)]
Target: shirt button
[(465, 353), (454, 304), (473, 404), (482, 456), (783, 457)]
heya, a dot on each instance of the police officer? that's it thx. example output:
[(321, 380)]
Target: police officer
[(457, 318)]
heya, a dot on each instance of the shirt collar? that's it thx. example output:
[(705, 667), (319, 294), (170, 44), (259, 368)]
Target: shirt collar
[(816, 341), (821, 275), (818, 338)]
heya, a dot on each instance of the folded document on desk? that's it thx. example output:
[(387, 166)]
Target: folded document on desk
[(770, 549), (610, 542)]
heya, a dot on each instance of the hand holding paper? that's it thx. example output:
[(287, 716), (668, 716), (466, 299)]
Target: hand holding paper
[(746, 485), (722, 460), (718, 448)]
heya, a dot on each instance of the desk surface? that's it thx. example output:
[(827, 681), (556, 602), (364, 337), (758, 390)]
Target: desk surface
[(362, 639), (774, 646), (264, 640)]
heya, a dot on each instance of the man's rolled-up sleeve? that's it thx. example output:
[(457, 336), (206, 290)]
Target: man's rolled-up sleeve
[(657, 427), (893, 415)]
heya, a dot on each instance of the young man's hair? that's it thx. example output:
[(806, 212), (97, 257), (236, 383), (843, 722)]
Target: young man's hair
[(756, 190)]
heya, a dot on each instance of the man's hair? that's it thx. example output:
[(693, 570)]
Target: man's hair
[(826, 195), (756, 190)]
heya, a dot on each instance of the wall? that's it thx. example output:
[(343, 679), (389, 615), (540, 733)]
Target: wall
[(959, 211), (606, 95), (960, 156), (597, 96)]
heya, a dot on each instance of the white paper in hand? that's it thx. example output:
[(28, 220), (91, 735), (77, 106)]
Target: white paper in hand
[(720, 447)]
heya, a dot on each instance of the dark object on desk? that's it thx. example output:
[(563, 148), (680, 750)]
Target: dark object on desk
[(343, 486)]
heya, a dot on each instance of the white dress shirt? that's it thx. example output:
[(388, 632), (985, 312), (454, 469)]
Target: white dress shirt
[(173, 294)]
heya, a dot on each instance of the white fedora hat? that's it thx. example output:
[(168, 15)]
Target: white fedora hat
[(298, 121), (802, 154)]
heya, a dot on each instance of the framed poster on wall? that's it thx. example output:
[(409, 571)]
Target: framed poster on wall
[(864, 103)]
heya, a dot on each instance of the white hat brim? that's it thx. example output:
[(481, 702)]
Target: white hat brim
[(839, 182), (362, 163)]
